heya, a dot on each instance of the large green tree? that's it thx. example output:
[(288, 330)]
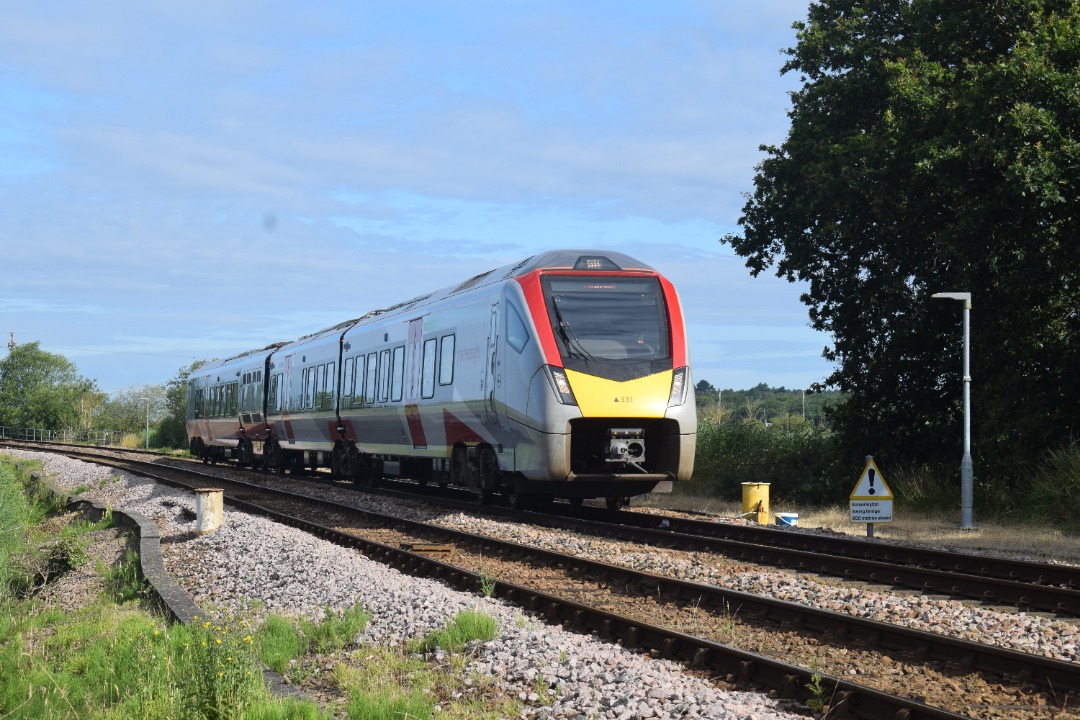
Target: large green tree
[(934, 146), (39, 389)]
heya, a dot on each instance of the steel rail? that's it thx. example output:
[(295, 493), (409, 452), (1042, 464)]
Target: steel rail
[(1036, 573), (849, 700), (965, 655), (1036, 586)]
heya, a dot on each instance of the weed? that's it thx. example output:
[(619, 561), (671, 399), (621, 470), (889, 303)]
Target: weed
[(487, 584), (464, 627), (335, 630), (125, 580), (819, 699)]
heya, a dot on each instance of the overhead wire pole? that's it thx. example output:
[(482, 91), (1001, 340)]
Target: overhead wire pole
[(967, 488)]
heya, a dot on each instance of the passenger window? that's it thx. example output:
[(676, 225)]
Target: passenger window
[(384, 375), (517, 334), (369, 379), (427, 380), (356, 380), (446, 356), (399, 373), (347, 381), (307, 388), (330, 388)]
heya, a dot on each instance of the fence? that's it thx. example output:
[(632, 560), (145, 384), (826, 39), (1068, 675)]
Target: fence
[(92, 437)]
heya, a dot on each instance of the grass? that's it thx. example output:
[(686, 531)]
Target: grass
[(116, 657), (463, 628)]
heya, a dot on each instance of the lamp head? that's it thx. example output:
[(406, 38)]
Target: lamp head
[(963, 296)]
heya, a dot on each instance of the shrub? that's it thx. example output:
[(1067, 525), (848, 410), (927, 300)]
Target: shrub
[(1054, 493), (800, 462)]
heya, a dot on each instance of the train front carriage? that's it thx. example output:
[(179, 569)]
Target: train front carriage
[(610, 411)]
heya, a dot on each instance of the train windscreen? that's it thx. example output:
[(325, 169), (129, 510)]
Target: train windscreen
[(607, 320)]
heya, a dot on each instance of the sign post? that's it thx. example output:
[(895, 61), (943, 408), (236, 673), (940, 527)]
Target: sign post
[(871, 500)]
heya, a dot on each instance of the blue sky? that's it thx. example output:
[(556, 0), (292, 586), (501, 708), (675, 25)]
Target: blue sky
[(185, 181)]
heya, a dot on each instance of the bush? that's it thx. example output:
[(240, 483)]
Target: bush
[(800, 462), (1054, 494)]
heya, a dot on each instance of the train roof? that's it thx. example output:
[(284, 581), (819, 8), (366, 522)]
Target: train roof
[(568, 259), (596, 260), (216, 364)]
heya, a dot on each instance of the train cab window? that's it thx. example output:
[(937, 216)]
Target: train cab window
[(446, 356), (384, 375), (369, 378), (194, 408), (427, 378), (517, 334), (397, 381)]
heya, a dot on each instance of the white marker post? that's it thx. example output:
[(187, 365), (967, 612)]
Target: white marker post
[(871, 500)]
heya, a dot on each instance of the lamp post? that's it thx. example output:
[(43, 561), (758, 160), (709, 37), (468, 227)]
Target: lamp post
[(967, 490)]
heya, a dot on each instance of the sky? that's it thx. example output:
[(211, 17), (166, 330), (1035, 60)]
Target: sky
[(183, 181)]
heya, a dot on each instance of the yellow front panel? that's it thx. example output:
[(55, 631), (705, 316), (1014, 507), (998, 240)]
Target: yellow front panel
[(645, 397)]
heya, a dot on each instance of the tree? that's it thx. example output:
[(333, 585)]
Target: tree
[(705, 394), (934, 146), (41, 390), (172, 431), (129, 410)]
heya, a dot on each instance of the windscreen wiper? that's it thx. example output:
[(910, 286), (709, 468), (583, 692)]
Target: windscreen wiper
[(570, 340)]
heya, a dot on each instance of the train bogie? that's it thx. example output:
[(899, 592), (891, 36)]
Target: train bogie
[(563, 375)]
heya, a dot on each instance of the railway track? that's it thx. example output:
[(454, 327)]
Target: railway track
[(992, 580), (622, 601)]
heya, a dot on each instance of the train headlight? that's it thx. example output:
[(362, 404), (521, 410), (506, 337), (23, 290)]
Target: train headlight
[(561, 385), (680, 380)]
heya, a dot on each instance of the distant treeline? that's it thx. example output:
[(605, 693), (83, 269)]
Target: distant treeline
[(765, 404)]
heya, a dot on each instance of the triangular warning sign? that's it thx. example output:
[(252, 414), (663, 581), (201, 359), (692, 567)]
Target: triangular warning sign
[(871, 485)]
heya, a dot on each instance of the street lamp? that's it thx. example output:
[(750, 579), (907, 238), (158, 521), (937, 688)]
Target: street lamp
[(967, 491)]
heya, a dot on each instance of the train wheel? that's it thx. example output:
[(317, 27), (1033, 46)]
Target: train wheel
[(345, 461), (272, 457), (517, 500), (614, 502), (245, 454)]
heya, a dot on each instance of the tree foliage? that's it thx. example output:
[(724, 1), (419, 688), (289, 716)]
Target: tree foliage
[(129, 410), (934, 146), (172, 431), (39, 389)]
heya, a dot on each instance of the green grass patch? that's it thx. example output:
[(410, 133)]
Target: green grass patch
[(464, 627)]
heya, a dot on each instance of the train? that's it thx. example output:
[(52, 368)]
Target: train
[(565, 375)]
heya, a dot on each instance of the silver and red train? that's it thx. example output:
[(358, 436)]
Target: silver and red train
[(563, 375)]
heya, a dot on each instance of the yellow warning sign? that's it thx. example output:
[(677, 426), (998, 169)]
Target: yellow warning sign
[(871, 485), (871, 500)]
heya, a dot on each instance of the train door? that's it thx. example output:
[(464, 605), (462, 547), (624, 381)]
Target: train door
[(492, 370), (288, 400), (414, 366)]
